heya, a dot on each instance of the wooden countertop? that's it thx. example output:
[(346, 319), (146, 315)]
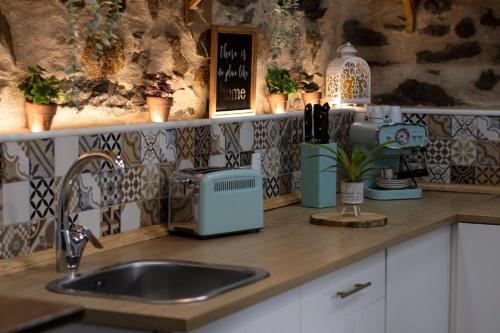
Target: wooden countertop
[(292, 250), (19, 315)]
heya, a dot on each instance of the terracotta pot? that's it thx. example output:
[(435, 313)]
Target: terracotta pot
[(159, 108), (311, 97), (39, 116), (277, 102), (352, 193)]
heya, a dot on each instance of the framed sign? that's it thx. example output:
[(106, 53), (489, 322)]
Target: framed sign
[(232, 71)]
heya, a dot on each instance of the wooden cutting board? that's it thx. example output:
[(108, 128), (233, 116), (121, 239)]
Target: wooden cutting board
[(365, 220)]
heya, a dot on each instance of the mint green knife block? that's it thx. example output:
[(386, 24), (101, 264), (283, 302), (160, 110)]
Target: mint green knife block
[(319, 189)]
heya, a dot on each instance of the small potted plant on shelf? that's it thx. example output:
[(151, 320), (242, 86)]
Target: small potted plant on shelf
[(42, 94), (310, 89), (159, 96), (356, 167), (280, 84)]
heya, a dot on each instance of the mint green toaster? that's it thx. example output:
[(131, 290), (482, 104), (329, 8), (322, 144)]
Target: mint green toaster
[(207, 202)]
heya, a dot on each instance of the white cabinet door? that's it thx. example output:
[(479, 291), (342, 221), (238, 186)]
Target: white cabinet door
[(478, 279), (370, 319), (418, 284), (280, 314)]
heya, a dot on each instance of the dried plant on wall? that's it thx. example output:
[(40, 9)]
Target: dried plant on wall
[(93, 38), (110, 62), (283, 25)]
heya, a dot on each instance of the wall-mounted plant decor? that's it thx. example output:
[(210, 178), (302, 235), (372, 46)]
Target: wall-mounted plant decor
[(283, 27), (93, 26)]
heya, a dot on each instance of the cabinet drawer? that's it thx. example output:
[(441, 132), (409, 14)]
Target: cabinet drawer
[(370, 319), (320, 303)]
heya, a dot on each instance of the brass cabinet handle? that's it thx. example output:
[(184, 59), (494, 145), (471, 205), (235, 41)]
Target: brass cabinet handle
[(357, 287)]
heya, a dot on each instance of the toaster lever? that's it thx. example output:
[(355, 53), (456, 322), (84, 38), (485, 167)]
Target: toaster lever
[(185, 182)]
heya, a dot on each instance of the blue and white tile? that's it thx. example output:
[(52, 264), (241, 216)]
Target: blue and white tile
[(65, 154), (131, 216), (16, 202)]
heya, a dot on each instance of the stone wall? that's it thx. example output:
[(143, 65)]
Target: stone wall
[(452, 59), (152, 36)]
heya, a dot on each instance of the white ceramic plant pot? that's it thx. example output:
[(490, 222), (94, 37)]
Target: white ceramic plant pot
[(352, 193)]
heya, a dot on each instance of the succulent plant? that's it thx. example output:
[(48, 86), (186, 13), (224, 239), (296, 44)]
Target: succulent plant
[(357, 165)]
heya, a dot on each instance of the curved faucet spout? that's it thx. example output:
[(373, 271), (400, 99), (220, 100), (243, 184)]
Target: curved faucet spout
[(71, 239)]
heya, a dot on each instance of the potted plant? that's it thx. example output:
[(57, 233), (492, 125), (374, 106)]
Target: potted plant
[(41, 97), (280, 84), (310, 89), (159, 96), (355, 167)]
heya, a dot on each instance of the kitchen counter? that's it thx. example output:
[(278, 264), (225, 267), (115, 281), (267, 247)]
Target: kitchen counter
[(291, 249), (21, 315)]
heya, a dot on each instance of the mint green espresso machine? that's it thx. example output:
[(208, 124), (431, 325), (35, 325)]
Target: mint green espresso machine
[(393, 179)]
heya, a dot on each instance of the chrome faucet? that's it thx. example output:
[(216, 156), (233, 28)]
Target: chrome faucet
[(71, 239)]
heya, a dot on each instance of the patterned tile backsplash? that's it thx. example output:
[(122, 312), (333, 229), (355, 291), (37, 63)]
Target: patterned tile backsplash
[(110, 202), (461, 150)]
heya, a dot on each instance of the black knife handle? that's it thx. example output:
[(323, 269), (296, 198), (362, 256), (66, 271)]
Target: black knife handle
[(308, 122)]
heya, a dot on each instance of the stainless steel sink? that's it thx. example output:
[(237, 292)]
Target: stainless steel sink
[(158, 281)]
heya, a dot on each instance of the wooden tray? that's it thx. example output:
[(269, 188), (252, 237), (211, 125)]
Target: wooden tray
[(365, 220)]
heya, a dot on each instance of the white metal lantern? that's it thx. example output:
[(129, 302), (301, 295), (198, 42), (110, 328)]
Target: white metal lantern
[(348, 78)]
